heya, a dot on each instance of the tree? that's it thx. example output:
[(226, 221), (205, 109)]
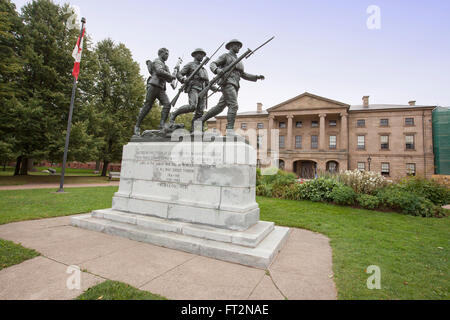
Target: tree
[(11, 72), (118, 95), (45, 46)]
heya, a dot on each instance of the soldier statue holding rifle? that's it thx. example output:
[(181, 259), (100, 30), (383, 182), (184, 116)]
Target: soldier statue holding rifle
[(229, 70), (193, 87), (156, 89)]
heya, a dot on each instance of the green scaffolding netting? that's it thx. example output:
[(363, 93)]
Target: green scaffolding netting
[(441, 137)]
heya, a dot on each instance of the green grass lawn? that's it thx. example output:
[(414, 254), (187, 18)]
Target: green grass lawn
[(412, 252), (113, 290), (72, 176), (12, 254), (20, 205)]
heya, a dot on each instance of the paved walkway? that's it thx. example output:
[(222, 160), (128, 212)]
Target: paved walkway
[(56, 186), (302, 271)]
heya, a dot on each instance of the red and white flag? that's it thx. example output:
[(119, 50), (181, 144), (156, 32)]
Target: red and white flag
[(77, 55)]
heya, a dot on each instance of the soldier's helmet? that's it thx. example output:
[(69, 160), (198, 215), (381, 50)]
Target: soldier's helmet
[(198, 50), (233, 42)]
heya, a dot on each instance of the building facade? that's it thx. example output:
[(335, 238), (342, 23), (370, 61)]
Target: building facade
[(317, 134)]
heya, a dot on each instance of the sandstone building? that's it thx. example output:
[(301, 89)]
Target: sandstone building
[(317, 134)]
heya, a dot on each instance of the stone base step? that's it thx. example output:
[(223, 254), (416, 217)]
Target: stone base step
[(252, 237), (260, 257)]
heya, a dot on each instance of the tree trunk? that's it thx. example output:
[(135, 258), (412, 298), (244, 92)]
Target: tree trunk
[(97, 165), (17, 169), (105, 168), (4, 166), (24, 168), (31, 165)]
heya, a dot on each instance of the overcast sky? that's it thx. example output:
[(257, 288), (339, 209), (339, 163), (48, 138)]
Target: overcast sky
[(323, 47)]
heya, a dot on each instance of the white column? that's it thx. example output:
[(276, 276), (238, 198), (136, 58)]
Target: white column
[(322, 137)]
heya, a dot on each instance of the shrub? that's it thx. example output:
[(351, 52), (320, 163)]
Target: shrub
[(294, 192), (429, 189), (343, 195), (319, 189), (397, 198), (364, 182), (368, 202), (264, 190)]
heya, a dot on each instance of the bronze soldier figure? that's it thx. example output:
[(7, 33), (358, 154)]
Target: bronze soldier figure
[(193, 88), (230, 87), (156, 89)]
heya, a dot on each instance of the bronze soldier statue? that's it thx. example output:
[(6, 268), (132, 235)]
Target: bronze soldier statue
[(230, 87), (156, 89), (193, 88)]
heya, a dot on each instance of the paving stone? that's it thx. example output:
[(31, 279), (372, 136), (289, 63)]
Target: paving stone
[(41, 279), (204, 278)]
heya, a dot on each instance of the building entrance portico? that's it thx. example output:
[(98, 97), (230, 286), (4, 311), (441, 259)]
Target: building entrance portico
[(305, 169)]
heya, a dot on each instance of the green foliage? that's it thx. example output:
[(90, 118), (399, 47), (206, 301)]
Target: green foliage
[(429, 189), (368, 201), (343, 195), (397, 198), (318, 190)]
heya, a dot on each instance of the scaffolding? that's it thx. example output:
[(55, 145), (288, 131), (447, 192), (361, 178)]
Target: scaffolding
[(441, 137)]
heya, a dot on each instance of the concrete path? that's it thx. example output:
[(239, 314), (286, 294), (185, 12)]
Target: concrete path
[(302, 271), (56, 186)]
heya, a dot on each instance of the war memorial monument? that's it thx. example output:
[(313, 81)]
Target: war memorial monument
[(192, 191)]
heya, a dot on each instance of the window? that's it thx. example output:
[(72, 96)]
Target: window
[(361, 123), (385, 142), (332, 167), (282, 142), (361, 166), (259, 141), (410, 145), (333, 123), (361, 142), (298, 142), (409, 121), (314, 142), (333, 142), (282, 125), (411, 169), (243, 126), (260, 125), (299, 124), (385, 169), (314, 124), (384, 122)]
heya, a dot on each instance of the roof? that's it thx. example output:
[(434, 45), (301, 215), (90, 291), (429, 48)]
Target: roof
[(243, 114), (386, 107), (307, 94)]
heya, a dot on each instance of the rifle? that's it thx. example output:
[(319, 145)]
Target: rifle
[(205, 61), (229, 69), (175, 73)]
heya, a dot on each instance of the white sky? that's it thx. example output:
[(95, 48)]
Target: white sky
[(323, 47)]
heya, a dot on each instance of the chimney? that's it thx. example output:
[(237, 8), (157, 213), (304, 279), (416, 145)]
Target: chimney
[(259, 107), (412, 103), (366, 101)]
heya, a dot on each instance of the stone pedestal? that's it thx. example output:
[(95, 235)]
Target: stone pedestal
[(198, 197)]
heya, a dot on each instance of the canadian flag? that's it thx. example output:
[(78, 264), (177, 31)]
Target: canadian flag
[(77, 55)]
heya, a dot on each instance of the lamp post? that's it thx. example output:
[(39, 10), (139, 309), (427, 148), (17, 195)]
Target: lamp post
[(369, 160)]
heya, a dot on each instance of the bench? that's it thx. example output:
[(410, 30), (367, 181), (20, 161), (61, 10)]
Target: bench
[(114, 175)]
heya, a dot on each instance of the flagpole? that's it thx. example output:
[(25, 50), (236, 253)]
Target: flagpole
[(69, 123)]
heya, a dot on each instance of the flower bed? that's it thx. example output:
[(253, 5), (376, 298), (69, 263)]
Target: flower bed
[(369, 190)]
